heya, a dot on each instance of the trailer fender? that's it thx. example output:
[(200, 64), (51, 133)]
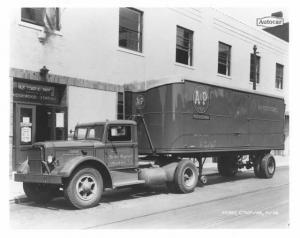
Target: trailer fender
[(72, 164)]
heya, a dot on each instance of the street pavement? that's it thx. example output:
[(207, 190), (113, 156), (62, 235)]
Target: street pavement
[(241, 202)]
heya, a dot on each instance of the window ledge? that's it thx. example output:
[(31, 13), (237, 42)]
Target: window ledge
[(36, 27), (131, 52), (279, 89), (251, 83), (224, 76), (184, 66)]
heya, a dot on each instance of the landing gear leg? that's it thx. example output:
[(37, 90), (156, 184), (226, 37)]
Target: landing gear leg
[(203, 179)]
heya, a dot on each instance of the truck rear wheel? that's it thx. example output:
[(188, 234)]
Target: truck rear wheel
[(265, 167), (227, 166), (186, 177), (40, 193), (84, 188)]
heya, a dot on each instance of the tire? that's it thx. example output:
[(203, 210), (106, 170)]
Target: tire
[(40, 193), (84, 188), (257, 168), (186, 177), (268, 166), (227, 166)]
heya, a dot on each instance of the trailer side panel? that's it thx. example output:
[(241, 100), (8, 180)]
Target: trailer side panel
[(192, 117)]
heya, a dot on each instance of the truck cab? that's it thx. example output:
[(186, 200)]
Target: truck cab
[(118, 139)]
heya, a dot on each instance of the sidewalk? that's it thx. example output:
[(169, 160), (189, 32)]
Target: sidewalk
[(16, 193)]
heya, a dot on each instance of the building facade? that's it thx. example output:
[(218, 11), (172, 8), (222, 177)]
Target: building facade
[(71, 65)]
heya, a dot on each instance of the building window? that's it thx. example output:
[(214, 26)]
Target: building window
[(224, 59), (131, 29), (279, 76), (120, 115), (46, 17), (184, 46), (252, 68)]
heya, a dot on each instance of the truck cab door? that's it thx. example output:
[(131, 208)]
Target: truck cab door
[(121, 147)]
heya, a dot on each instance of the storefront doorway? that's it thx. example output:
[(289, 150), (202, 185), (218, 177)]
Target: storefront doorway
[(36, 118)]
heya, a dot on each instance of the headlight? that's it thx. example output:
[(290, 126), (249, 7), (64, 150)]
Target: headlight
[(50, 159)]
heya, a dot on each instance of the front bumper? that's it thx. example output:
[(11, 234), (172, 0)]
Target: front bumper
[(38, 178)]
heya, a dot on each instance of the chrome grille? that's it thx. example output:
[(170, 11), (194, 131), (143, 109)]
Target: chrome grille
[(35, 161)]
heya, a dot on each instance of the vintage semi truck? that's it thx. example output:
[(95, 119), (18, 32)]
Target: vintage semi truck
[(169, 131)]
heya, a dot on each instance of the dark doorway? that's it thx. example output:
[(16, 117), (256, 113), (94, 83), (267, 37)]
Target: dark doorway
[(50, 123), (44, 123)]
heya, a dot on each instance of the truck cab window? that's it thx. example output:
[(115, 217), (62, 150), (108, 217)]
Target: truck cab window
[(80, 133), (119, 133), (95, 133)]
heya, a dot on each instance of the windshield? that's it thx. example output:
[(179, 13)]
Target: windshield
[(89, 132)]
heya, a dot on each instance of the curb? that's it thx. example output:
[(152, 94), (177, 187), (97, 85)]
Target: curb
[(19, 199)]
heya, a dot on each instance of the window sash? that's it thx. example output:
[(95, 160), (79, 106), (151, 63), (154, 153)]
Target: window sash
[(130, 30), (120, 106), (36, 16), (252, 68), (224, 58), (184, 44), (279, 76)]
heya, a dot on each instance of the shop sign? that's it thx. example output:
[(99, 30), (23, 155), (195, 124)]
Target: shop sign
[(26, 134), (35, 93)]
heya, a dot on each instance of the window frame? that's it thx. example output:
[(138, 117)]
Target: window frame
[(189, 51), (38, 27), (140, 30), (37, 24), (118, 141), (276, 76), (258, 71), (228, 60), (120, 115)]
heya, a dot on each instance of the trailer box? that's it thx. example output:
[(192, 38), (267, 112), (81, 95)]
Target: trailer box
[(190, 117)]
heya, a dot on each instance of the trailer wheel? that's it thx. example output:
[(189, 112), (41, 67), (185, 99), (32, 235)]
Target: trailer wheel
[(268, 166), (84, 188), (186, 177), (257, 168), (227, 166), (40, 193)]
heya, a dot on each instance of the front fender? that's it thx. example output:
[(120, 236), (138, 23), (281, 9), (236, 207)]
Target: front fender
[(72, 163)]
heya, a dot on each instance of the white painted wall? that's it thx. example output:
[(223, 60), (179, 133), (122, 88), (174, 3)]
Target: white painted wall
[(88, 48), (90, 105)]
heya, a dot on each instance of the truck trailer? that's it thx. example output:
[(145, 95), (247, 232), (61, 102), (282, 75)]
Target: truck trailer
[(169, 131)]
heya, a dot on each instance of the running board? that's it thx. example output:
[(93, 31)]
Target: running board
[(128, 183)]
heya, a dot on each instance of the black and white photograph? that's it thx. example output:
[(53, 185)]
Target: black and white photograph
[(148, 117)]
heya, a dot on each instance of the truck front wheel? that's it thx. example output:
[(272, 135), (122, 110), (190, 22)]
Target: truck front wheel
[(40, 193), (84, 188), (227, 166), (186, 177)]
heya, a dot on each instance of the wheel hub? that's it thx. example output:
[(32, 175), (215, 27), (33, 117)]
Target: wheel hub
[(189, 177), (271, 166), (86, 187)]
